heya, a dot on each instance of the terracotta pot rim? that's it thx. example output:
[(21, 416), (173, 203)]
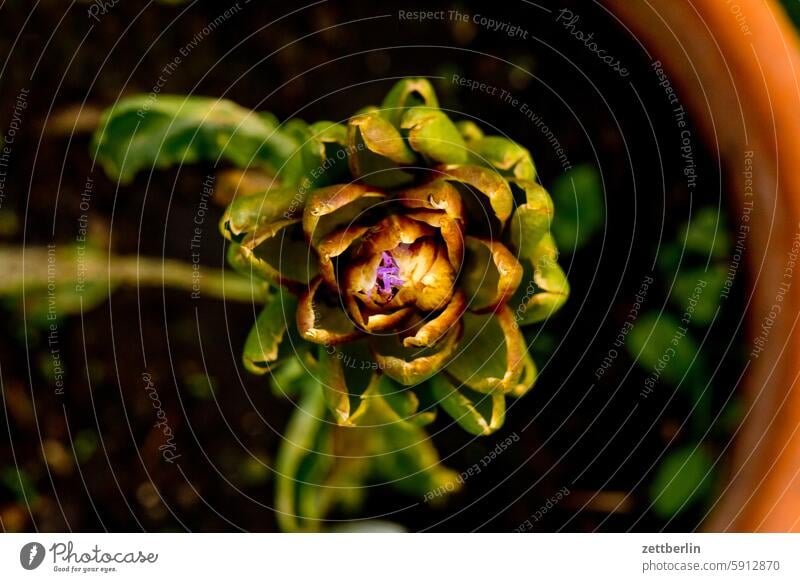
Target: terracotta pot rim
[(737, 68)]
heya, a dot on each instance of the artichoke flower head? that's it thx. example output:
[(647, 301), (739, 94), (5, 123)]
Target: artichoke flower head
[(403, 261)]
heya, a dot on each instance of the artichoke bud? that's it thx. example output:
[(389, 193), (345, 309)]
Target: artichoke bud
[(410, 250)]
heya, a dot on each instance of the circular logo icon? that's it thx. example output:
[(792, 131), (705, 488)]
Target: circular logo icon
[(31, 555)]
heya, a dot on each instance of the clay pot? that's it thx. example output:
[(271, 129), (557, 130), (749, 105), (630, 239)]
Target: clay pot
[(736, 64)]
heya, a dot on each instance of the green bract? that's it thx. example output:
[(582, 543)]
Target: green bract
[(404, 251)]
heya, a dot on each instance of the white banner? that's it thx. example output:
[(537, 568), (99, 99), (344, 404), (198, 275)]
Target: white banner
[(401, 557)]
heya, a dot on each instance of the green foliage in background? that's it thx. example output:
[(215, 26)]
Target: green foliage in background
[(683, 478), (578, 195), (68, 279), (694, 266)]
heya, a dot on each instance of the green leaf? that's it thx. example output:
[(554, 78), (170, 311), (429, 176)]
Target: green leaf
[(377, 151), (140, 132), (321, 465), (544, 288), (261, 213), (296, 449), (280, 254), (404, 402), (405, 94), (490, 188), (431, 133), (262, 348), (348, 375), (478, 414), (411, 365), (698, 292), (706, 235), (661, 344), (580, 207), (68, 279), (334, 386), (552, 292), (684, 478), (664, 348), (57, 281), (531, 221), (528, 378), (491, 356), (303, 169), (289, 378), (506, 156), (329, 132), (20, 484), (470, 131), (669, 258), (404, 455), (490, 274)]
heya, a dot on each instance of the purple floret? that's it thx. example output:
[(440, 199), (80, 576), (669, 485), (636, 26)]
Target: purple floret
[(387, 279)]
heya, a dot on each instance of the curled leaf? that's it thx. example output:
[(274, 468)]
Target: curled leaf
[(346, 374), (334, 207), (438, 324), (544, 288), (438, 194), (411, 366), (431, 133), (505, 156), (322, 320), (483, 185), (262, 348), (470, 131), (404, 402), (478, 414), (377, 151), (261, 215), (405, 94), (492, 355), (531, 220), (281, 253), (490, 274)]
